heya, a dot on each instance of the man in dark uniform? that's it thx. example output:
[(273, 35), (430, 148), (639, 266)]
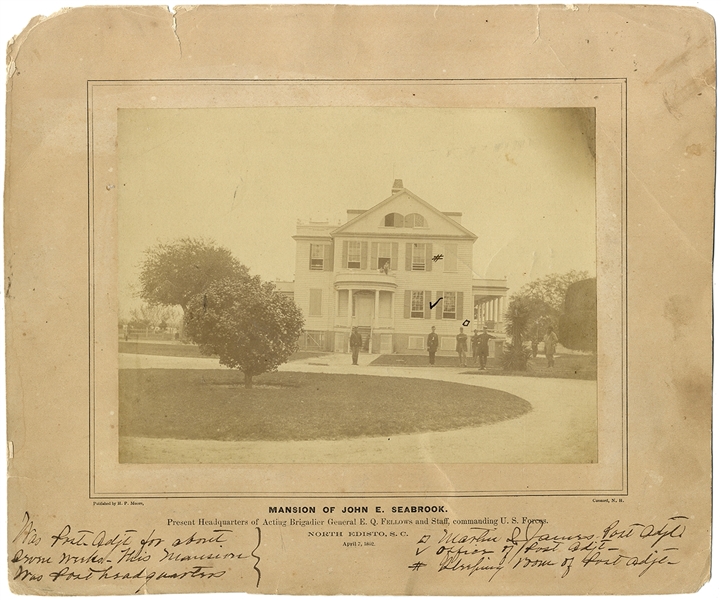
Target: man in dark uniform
[(356, 341), (462, 347), (475, 340), (432, 346), (483, 346)]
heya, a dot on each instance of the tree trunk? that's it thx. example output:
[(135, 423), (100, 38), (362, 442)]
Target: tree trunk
[(248, 381)]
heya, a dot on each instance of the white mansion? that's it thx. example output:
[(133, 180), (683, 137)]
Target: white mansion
[(393, 271)]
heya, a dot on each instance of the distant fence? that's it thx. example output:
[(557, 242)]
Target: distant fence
[(148, 333)]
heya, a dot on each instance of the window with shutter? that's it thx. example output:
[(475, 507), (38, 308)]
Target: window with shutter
[(383, 256), (317, 255), (419, 257), (354, 255), (449, 305), (417, 305)]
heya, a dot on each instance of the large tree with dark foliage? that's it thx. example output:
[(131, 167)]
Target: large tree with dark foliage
[(173, 273), (247, 323), (577, 323), (544, 299)]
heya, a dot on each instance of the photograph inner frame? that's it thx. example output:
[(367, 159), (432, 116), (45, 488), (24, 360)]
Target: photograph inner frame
[(481, 452)]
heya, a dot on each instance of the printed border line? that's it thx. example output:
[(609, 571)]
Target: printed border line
[(623, 491)]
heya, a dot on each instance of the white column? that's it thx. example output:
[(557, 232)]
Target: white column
[(337, 305), (495, 310), (350, 307), (375, 309)]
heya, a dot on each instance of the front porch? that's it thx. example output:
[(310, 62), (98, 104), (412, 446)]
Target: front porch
[(364, 300), (489, 304)]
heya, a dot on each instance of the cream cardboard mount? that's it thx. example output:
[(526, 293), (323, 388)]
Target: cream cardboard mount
[(393, 169)]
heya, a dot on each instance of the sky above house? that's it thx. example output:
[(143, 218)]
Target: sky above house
[(524, 180)]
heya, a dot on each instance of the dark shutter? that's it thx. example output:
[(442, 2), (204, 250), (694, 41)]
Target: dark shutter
[(450, 258), (310, 257), (374, 255), (427, 307), (459, 306), (316, 306), (409, 256), (429, 257), (344, 259), (407, 305), (394, 256), (439, 307), (328, 258), (364, 255)]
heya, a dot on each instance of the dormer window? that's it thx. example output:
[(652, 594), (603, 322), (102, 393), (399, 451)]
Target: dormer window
[(409, 221), (393, 220), (415, 220)]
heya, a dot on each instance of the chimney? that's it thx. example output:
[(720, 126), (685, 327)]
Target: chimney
[(397, 186), (456, 216)]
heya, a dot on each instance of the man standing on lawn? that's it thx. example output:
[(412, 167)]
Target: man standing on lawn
[(356, 341), (432, 345), (483, 347), (462, 347), (474, 345), (549, 342)]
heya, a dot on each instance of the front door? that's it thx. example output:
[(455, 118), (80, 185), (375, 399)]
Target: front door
[(364, 309)]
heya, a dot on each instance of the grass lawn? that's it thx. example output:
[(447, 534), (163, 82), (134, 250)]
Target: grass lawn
[(180, 349), (214, 405), (566, 366)]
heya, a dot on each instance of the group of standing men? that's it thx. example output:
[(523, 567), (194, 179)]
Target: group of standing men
[(479, 345)]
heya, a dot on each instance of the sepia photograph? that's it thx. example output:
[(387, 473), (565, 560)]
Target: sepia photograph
[(357, 284), (360, 300)]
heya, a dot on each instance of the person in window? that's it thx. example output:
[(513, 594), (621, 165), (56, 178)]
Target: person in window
[(432, 346), (483, 347), (549, 342), (462, 347), (385, 268), (356, 341)]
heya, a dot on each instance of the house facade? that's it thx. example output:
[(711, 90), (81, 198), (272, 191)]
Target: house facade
[(393, 271)]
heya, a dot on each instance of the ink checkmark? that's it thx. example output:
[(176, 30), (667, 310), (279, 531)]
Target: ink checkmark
[(436, 302)]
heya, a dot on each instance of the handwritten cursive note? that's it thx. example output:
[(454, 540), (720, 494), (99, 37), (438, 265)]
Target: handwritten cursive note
[(489, 550), (128, 556)]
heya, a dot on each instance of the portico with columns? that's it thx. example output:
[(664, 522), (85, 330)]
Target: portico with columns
[(490, 303)]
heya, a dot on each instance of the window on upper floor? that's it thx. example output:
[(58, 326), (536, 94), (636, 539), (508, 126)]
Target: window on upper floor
[(418, 261), (354, 255), (384, 255), (316, 257)]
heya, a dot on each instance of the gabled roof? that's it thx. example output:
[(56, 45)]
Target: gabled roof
[(465, 232)]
